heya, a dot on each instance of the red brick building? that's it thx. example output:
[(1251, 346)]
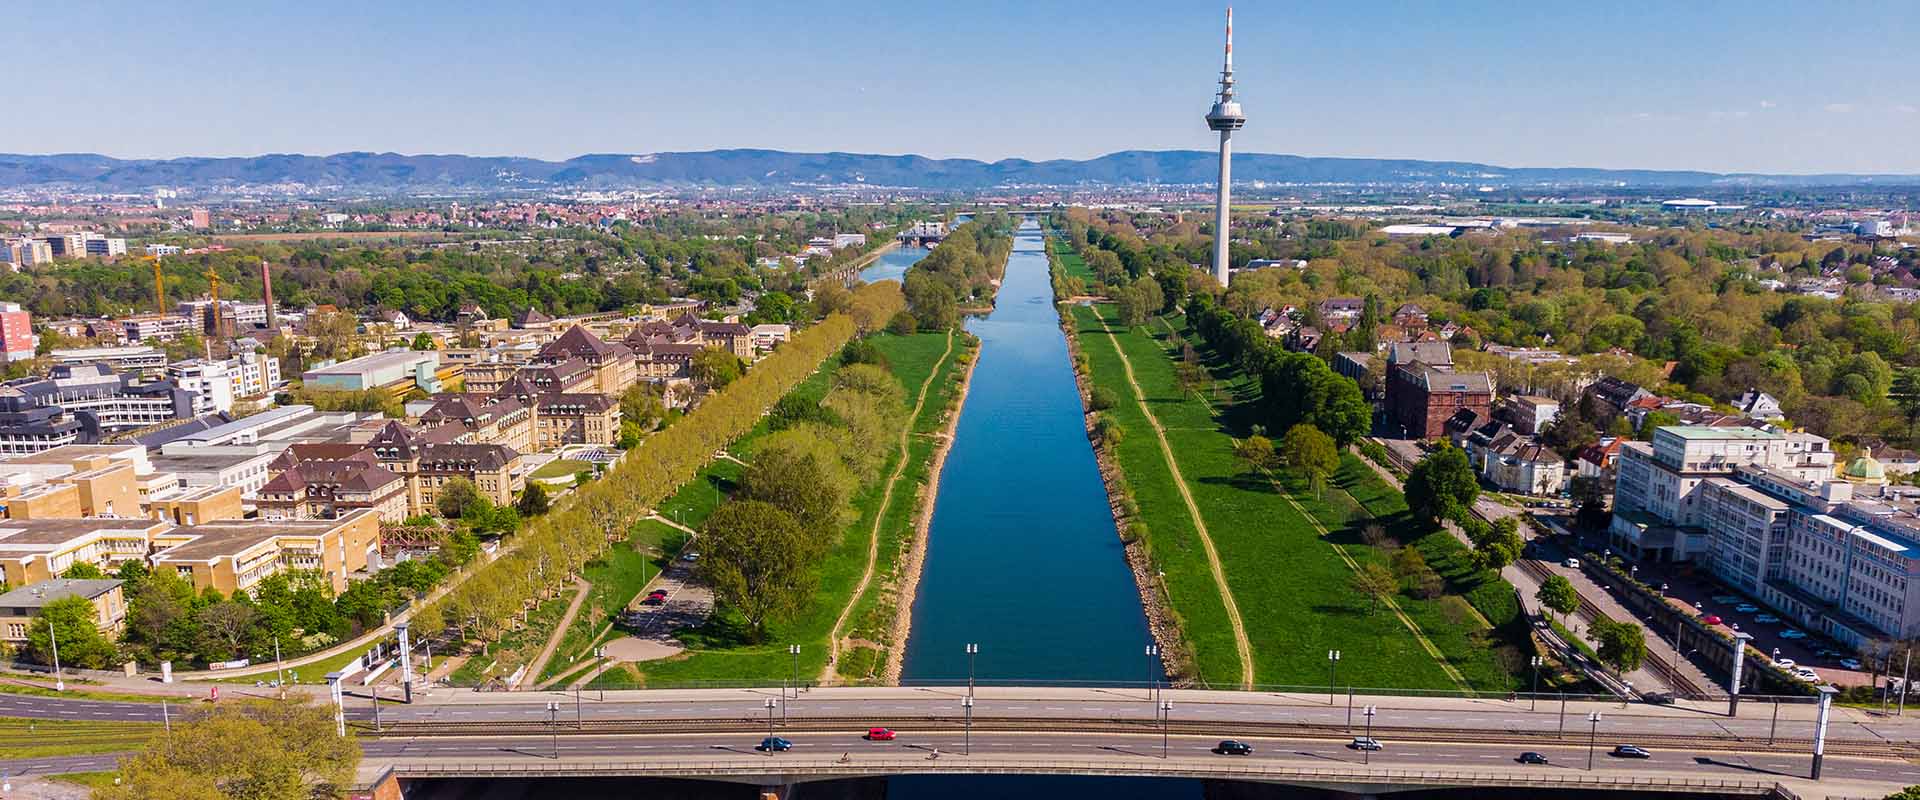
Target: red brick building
[(1420, 398)]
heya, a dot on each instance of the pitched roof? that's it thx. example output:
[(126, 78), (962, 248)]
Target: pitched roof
[(578, 342), (531, 316), (1439, 354), (1436, 380)]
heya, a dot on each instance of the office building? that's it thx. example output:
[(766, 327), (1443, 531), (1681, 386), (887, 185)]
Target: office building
[(395, 372), (136, 359), (20, 606), (1658, 510), (17, 342)]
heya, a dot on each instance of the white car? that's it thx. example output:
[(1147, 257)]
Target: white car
[(1571, 563), (1850, 663), (1807, 675), (1786, 663)]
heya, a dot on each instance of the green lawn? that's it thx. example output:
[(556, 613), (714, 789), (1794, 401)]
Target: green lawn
[(34, 738), (561, 468), (1071, 262), (42, 686), (617, 576), (717, 651), (1290, 584)]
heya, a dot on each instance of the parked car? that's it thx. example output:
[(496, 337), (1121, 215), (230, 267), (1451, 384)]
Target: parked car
[(654, 600), (1531, 757), (657, 593), (879, 735), (1230, 747), (1850, 663), (1828, 652), (1792, 633), (1656, 698), (690, 557), (1746, 608), (774, 744), (1571, 563), (1766, 618), (1725, 599), (1628, 751), (1712, 619), (1366, 743), (1786, 663)]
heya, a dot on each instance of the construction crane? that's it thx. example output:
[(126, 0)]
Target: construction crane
[(213, 311), (159, 285)]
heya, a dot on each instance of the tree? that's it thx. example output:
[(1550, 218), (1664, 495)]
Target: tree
[(759, 561), (642, 404), (1256, 451), (1589, 495), (83, 570), (223, 629), (1498, 544), (1442, 484), (1655, 420), (69, 622), (716, 367), (1621, 645), (423, 341), (1373, 581), (903, 324), (456, 497), (799, 471), (932, 302), (1557, 594), (533, 500), (876, 304), (1312, 453), (242, 750)]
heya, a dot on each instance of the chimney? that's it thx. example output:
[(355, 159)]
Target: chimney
[(266, 287)]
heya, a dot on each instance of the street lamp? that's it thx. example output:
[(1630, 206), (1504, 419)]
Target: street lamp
[(1593, 734), (768, 744), (1333, 665), (966, 744), (279, 668), (1166, 719), (973, 649), (1152, 650), (59, 680), (1663, 590), (553, 724), (376, 708), (794, 650), (1366, 753), (1533, 699)]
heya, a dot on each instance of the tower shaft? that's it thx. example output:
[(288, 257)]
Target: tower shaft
[(1223, 200)]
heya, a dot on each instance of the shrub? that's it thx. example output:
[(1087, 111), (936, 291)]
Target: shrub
[(1101, 398)]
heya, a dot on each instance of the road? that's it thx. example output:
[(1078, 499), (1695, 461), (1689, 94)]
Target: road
[(1226, 709), (1464, 757)]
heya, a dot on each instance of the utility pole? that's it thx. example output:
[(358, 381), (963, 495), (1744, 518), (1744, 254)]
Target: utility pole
[(279, 668), (1366, 753), (1563, 717), (769, 742), (972, 650), (376, 707), (794, 650), (966, 744), (553, 725), (1166, 720), (1152, 650), (1820, 729), (1533, 698), (339, 702), (59, 680)]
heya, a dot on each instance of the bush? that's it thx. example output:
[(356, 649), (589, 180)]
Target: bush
[(903, 323), (1101, 398), (1107, 430)]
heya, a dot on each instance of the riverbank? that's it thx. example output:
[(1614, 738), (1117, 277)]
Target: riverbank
[(916, 557)]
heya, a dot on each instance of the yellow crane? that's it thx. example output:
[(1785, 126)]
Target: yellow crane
[(159, 285)]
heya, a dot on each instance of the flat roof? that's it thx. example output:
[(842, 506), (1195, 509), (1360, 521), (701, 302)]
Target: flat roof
[(212, 540), (38, 534), (1706, 432), (377, 361), (36, 595)]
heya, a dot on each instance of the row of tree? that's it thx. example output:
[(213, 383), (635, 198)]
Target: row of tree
[(554, 547), (962, 271), (1295, 387)]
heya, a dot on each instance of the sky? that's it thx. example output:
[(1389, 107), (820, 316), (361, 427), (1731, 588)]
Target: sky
[(1759, 85)]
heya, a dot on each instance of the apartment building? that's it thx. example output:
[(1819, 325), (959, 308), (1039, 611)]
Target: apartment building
[(428, 466), (154, 327), (235, 555), (498, 419), (20, 606), (329, 489), (17, 342), (565, 419), (35, 550), (612, 364)]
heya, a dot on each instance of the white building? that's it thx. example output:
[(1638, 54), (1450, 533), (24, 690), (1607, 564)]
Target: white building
[(136, 358), (163, 250), (210, 382), (1658, 511)]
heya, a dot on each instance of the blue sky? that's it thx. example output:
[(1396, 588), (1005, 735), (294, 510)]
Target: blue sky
[(1759, 85)]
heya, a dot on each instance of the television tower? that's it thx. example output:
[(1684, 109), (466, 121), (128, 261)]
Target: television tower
[(1225, 118)]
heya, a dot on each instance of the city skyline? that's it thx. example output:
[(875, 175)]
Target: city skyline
[(1699, 91)]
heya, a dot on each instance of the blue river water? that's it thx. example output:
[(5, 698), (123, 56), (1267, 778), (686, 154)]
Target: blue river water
[(892, 265)]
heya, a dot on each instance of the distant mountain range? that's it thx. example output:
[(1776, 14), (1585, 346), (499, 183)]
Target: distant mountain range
[(778, 169)]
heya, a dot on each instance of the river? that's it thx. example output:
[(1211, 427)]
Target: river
[(892, 265)]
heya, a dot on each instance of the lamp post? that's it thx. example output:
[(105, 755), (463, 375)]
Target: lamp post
[(1593, 735), (1333, 670), (966, 743), (973, 649), (279, 668), (769, 742), (376, 708), (1533, 698), (1152, 650), (1166, 719), (1366, 753), (553, 725), (794, 650), (59, 680), (1820, 728)]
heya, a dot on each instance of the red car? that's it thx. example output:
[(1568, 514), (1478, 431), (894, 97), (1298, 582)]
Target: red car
[(1711, 619), (879, 735)]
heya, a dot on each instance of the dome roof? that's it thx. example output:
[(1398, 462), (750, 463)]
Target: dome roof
[(1865, 467)]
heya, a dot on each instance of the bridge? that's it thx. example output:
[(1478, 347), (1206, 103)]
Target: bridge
[(1299, 737)]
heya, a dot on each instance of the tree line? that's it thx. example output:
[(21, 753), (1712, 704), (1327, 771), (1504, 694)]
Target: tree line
[(1295, 387), (961, 272)]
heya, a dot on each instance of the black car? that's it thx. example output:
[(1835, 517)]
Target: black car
[(775, 744), (1628, 751), (1229, 747), (1531, 757), (1658, 698)]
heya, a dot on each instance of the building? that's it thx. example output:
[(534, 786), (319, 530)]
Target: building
[(1759, 405), (1612, 397), (35, 550), (1420, 398), (612, 364), (428, 466), (24, 252), (1519, 463), (484, 419), (566, 419), (137, 359), (20, 606), (211, 384), (1529, 414), (1658, 512), (767, 336), (330, 489), (232, 556), (163, 249), (112, 401), (1225, 117), (395, 372), (199, 219), (105, 246), (154, 327), (17, 342), (1334, 310)]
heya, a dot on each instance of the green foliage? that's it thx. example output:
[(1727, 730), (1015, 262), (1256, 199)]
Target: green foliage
[(1557, 593), (1101, 398), (1621, 645), (903, 324), (83, 570), (1295, 387), (716, 367), (1442, 485), (1311, 453), (456, 497), (758, 558), (423, 341), (242, 750), (69, 624), (533, 500)]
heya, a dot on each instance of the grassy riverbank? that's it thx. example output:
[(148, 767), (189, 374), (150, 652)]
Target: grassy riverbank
[(1289, 581), (718, 651)]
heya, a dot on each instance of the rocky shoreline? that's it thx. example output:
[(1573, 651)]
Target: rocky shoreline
[(916, 555), (1175, 659)]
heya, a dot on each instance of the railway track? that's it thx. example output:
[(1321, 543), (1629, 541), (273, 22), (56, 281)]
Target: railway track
[(1278, 730)]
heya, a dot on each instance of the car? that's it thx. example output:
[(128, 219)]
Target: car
[(773, 744), (1791, 633), (1712, 619), (1656, 698), (1850, 663), (1628, 751), (1828, 652), (1366, 743), (1768, 619), (657, 593), (1806, 675), (1786, 663), (690, 557), (1571, 563), (879, 735), (1531, 757), (1725, 599), (654, 600), (1230, 747), (1746, 608)]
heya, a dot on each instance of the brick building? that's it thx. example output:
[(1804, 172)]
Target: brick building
[(1420, 398)]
